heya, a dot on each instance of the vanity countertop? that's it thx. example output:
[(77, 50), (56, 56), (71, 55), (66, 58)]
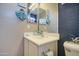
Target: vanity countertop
[(40, 40)]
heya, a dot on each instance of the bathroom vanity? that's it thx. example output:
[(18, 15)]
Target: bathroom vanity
[(39, 45)]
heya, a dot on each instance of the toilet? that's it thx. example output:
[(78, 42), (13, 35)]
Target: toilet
[(71, 48)]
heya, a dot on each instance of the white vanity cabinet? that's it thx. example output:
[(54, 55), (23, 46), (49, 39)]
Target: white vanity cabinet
[(37, 46)]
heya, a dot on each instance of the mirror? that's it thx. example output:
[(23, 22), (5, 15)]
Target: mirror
[(29, 12), (33, 15)]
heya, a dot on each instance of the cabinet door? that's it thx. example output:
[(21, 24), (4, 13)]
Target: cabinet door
[(26, 47), (52, 46), (33, 49)]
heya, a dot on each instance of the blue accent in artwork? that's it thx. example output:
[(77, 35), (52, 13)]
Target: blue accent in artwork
[(21, 15)]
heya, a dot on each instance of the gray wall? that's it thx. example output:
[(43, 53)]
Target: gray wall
[(11, 30)]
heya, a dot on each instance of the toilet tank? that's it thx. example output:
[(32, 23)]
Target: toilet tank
[(71, 48)]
